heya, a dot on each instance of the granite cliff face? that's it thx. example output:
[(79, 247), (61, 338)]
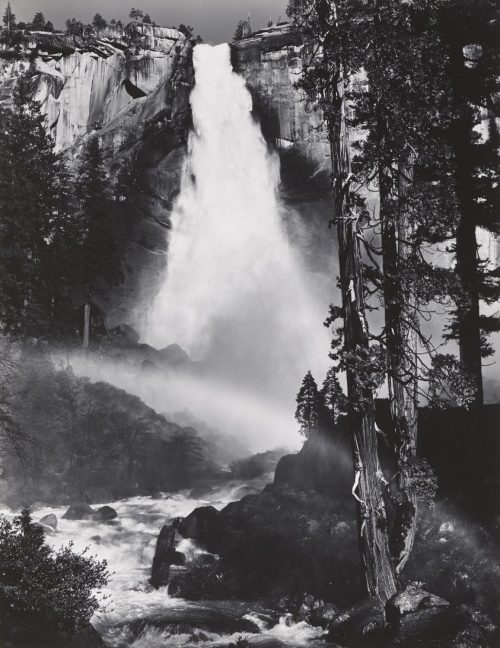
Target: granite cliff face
[(271, 62), (131, 88)]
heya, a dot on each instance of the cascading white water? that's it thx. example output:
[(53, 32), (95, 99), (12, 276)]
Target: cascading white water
[(235, 293)]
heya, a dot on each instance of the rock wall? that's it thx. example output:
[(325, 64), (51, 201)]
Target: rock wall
[(131, 88), (271, 62)]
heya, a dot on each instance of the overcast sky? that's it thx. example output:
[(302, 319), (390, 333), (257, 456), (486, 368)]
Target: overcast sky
[(215, 20)]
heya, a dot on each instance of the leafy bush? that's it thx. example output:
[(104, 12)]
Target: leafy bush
[(44, 591)]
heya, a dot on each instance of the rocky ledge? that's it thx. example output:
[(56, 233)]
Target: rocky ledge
[(294, 546)]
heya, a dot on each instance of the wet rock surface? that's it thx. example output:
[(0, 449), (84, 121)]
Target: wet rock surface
[(104, 514), (80, 511), (49, 520), (165, 556)]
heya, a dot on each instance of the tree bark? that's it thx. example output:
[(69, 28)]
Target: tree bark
[(468, 314), (401, 325), (368, 478), (86, 325)]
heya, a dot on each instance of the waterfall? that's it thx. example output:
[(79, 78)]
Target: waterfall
[(236, 294)]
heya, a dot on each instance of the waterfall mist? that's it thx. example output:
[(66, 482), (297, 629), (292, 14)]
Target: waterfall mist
[(236, 294)]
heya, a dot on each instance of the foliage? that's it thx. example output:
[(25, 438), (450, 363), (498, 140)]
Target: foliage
[(9, 18), (71, 435), (49, 27), (333, 396), (100, 261), (136, 14), (36, 234), (448, 383), (187, 30), (74, 27), (41, 588), (38, 22), (309, 406), (242, 30), (99, 22), (147, 19)]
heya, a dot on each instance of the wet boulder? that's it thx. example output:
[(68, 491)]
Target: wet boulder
[(455, 626), (81, 511), (206, 526), (362, 620), (49, 520), (308, 605), (323, 615), (165, 557), (411, 599), (105, 514)]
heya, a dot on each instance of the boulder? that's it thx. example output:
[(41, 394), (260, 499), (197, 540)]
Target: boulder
[(49, 520), (125, 333), (105, 514), (81, 511), (174, 355), (165, 556), (308, 606), (411, 599), (48, 530), (323, 615), (460, 626), (205, 526), (357, 622)]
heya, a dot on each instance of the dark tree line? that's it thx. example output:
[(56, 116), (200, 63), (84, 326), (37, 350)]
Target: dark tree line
[(37, 24), (57, 242), (399, 72)]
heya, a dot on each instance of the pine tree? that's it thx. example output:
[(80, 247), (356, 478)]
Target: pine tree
[(99, 22), (136, 14), (323, 81), (100, 262), (469, 30), (33, 216), (9, 18), (310, 406), (333, 395), (38, 23)]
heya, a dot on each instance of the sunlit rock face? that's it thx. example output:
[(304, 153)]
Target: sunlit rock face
[(130, 87), (271, 62)]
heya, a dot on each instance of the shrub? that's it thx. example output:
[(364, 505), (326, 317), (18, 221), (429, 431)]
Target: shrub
[(42, 590)]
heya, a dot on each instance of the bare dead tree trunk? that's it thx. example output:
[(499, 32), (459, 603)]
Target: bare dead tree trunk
[(401, 325), (86, 324), (368, 478)]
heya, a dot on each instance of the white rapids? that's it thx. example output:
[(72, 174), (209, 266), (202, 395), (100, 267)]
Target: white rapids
[(128, 545)]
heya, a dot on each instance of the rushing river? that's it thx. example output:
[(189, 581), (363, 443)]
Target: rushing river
[(128, 545)]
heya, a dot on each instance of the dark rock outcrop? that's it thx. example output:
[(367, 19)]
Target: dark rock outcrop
[(205, 525), (104, 514), (165, 556), (81, 511), (354, 624)]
